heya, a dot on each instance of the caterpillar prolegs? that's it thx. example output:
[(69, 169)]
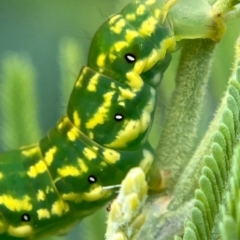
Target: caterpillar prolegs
[(51, 185)]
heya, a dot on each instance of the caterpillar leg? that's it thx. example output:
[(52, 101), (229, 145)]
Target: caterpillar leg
[(154, 76)]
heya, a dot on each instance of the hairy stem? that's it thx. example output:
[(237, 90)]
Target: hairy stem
[(179, 132)]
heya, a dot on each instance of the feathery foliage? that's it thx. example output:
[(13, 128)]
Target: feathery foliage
[(194, 174), (18, 113), (126, 217)]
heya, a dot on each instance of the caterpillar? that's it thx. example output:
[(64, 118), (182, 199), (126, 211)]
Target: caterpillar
[(47, 187)]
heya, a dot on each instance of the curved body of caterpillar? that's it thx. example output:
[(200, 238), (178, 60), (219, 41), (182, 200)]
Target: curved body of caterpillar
[(49, 186)]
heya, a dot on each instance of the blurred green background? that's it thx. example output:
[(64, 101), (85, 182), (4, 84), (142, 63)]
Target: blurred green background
[(46, 32)]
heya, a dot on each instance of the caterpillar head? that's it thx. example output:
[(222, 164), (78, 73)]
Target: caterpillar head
[(120, 51)]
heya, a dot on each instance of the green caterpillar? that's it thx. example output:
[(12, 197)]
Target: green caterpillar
[(47, 187)]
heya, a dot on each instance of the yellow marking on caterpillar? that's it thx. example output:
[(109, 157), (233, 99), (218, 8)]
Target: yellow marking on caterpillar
[(49, 189), (41, 195), (113, 19), (91, 135), (82, 165), (93, 81), (3, 227), (81, 77), (126, 94), (113, 85), (145, 120), (131, 16), (148, 26), (43, 213), (141, 10), (101, 60), (147, 160), (30, 152), (146, 113), (112, 57), (121, 104), (167, 44), (111, 156), (103, 164), (39, 168), (95, 194), (15, 204), (129, 133), (73, 134), (62, 122), (146, 116), (101, 70), (131, 35), (73, 197), (1, 175), (118, 26), (76, 119), (49, 156), (157, 13), (150, 2), (68, 171), (102, 112), (89, 153), (139, 65), (60, 125), (134, 80), (22, 231), (59, 208), (118, 46), (151, 60)]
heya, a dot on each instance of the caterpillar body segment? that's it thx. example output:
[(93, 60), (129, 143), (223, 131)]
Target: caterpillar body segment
[(47, 187), (136, 33), (51, 185), (111, 111)]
